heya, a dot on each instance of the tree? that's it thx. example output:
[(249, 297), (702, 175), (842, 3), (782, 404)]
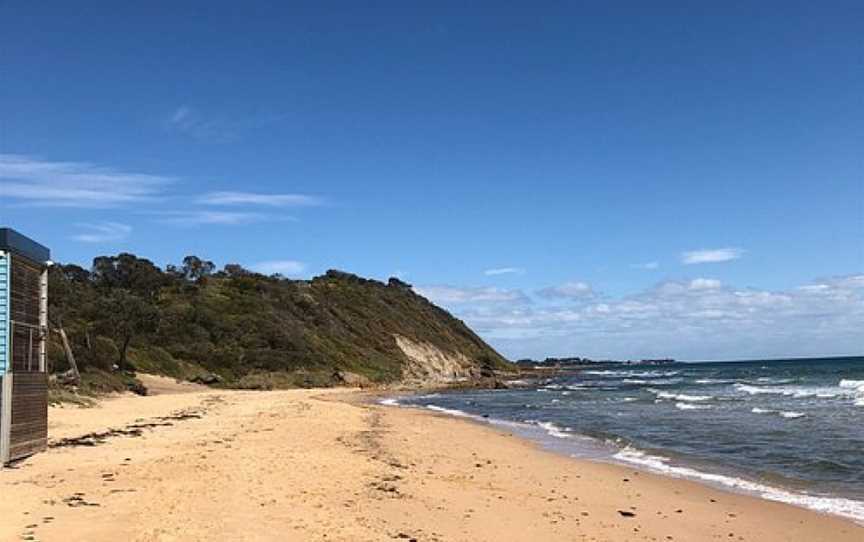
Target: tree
[(126, 316), (235, 270), (194, 268), (129, 272)]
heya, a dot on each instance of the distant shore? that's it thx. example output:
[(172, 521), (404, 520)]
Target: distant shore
[(194, 464)]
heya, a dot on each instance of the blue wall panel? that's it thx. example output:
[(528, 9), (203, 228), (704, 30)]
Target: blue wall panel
[(4, 312)]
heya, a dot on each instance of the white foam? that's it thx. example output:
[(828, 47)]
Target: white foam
[(688, 406), (771, 380), (450, 411), (634, 381), (632, 374), (857, 388), (756, 390), (711, 381), (791, 414), (652, 374), (389, 402), (831, 505), (553, 430), (680, 396), (665, 381), (797, 392)]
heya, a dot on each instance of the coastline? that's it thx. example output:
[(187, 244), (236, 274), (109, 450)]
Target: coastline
[(327, 465), (563, 441)]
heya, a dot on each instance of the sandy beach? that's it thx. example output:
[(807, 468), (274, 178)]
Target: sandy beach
[(196, 464)]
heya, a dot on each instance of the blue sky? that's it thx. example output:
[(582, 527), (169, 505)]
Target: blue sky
[(627, 180)]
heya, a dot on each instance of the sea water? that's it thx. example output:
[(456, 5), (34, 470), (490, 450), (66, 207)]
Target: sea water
[(786, 430)]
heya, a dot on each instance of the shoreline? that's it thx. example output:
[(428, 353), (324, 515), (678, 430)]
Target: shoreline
[(326, 465), (551, 438)]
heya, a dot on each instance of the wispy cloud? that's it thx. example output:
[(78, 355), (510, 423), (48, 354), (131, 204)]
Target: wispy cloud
[(504, 271), (189, 121), (103, 232), (33, 181), (714, 255), (289, 268), (646, 265), (253, 198), (568, 290), (472, 296), (226, 218)]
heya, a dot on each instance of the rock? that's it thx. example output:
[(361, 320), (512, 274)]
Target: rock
[(207, 379), (500, 385), (353, 380)]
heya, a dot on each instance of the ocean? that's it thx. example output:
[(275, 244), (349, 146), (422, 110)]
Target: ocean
[(785, 430)]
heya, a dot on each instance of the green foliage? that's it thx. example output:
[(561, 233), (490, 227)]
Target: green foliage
[(97, 382), (251, 330), (101, 355), (156, 360)]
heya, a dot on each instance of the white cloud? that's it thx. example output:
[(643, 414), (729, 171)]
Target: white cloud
[(568, 290), (103, 232), (34, 181), (698, 319), (288, 268), (225, 218), (450, 295), (252, 198), (504, 271), (704, 284), (714, 255), (646, 265)]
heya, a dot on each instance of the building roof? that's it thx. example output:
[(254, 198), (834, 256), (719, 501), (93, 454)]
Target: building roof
[(12, 241)]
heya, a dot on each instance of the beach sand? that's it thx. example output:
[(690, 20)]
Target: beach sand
[(322, 465)]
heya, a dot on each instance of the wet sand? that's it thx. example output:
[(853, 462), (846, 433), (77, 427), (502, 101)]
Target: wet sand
[(322, 465)]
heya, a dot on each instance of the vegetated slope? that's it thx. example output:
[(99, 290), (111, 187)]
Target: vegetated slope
[(256, 331)]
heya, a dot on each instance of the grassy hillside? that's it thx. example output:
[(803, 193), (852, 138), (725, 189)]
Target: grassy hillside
[(126, 314)]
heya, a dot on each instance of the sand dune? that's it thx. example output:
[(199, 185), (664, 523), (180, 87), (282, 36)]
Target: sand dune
[(321, 465)]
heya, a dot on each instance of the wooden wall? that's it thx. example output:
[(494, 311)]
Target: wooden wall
[(29, 429), (24, 313), (24, 404)]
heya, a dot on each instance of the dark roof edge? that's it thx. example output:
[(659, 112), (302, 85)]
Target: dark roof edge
[(22, 245)]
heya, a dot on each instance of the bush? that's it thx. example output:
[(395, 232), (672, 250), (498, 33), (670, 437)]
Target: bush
[(103, 355), (97, 382), (155, 360), (57, 362)]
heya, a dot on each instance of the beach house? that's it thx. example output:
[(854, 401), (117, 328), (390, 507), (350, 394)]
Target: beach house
[(23, 335)]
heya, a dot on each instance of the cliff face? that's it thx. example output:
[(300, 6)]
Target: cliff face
[(249, 330), (428, 364)]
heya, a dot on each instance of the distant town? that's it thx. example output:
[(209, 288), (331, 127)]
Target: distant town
[(581, 362)]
